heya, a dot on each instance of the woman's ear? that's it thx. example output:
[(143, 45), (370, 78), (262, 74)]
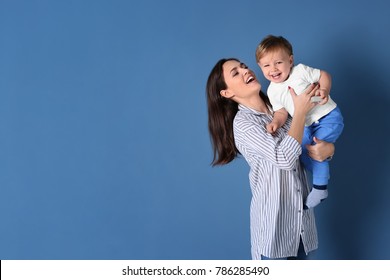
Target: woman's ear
[(226, 93)]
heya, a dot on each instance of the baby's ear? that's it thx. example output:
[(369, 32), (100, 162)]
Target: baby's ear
[(292, 59)]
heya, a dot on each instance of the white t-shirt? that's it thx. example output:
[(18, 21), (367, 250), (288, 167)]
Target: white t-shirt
[(300, 78)]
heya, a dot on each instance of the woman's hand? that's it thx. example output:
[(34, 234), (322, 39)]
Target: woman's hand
[(302, 102), (321, 150), (302, 105)]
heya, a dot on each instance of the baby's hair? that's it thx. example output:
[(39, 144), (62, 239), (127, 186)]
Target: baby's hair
[(272, 43)]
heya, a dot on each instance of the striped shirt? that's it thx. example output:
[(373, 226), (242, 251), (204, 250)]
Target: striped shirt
[(278, 184)]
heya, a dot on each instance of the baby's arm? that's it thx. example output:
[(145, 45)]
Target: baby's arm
[(325, 85), (280, 117)]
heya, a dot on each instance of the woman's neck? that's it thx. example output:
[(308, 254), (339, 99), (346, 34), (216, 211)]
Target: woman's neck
[(257, 104)]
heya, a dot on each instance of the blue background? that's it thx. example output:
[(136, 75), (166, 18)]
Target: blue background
[(104, 147)]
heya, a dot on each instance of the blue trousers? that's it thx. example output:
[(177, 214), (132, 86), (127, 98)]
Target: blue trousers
[(328, 128)]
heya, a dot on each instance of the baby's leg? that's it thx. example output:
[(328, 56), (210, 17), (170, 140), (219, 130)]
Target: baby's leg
[(320, 171), (327, 129), (320, 183)]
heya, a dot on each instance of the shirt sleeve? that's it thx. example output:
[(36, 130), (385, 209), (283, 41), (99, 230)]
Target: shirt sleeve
[(276, 104), (310, 74)]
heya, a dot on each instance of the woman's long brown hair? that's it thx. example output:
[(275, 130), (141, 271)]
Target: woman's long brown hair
[(221, 113)]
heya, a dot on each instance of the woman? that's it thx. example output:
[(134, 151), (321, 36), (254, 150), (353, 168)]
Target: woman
[(238, 114)]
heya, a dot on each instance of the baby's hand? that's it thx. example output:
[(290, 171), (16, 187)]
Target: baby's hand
[(272, 127), (324, 94)]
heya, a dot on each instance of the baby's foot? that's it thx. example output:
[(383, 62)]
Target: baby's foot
[(315, 197)]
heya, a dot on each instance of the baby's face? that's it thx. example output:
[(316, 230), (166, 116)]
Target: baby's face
[(276, 65)]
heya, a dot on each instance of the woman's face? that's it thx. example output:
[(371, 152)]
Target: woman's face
[(240, 80)]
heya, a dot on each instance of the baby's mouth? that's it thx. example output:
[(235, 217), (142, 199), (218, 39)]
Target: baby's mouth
[(275, 76)]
